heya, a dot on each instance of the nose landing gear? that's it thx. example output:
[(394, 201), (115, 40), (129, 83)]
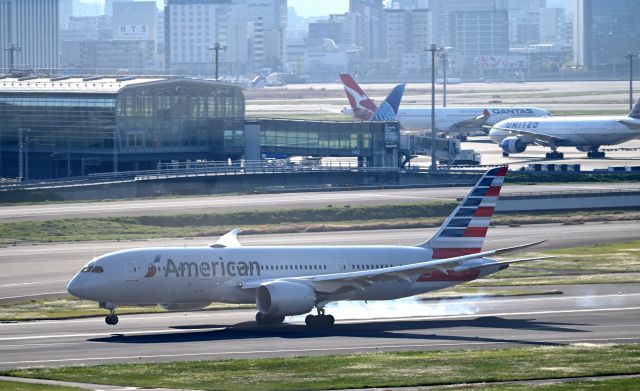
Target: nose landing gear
[(320, 320), (112, 318)]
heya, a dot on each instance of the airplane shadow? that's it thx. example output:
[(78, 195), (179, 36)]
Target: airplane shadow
[(389, 330)]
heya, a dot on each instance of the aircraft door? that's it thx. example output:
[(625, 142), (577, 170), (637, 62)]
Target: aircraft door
[(132, 270)]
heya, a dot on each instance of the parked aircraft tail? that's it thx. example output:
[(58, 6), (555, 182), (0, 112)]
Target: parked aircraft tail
[(464, 231), (363, 107), (635, 111), (389, 108)]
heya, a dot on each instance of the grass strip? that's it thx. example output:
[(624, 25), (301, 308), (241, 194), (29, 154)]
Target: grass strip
[(395, 369), (20, 386), (629, 384), (329, 218)]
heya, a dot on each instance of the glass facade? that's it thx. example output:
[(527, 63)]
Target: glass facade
[(375, 142), (73, 133)]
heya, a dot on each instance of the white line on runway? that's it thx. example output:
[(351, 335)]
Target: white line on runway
[(36, 295), (30, 283), (330, 349)]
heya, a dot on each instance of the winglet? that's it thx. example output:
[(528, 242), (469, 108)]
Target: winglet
[(230, 239), (520, 247)]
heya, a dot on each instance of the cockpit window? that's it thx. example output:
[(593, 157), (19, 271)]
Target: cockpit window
[(97, 269), (86, 269)]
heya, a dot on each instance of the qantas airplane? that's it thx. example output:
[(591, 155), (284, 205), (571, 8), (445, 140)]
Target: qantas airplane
[(586, 133), (293, 280), (448, 119)]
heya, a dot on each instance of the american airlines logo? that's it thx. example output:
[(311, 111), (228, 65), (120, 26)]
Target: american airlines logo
[(208, 269), (521, 125), (512, 111)]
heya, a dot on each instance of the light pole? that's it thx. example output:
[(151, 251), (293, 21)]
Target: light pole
[(444, 55), (434, 163), (630, 56), (217, 47)]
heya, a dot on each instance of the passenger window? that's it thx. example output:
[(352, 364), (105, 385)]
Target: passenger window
[(86, 269), (97, 269)]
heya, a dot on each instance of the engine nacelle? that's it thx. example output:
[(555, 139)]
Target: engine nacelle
[(513, 144), (279, 298), (184, 306)]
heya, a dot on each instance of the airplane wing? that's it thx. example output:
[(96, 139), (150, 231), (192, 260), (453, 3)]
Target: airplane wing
[(474, 123), (535, 135), (363, 278)]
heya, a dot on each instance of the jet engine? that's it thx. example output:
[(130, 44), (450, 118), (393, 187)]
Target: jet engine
[(283, 298), (184, 306), (513, 144)]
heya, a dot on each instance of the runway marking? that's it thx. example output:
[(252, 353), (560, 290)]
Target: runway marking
[(377, 320), (37, 294), (253, 352), (30, 283)]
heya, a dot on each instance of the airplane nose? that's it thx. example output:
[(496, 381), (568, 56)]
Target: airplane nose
[(75, 286)]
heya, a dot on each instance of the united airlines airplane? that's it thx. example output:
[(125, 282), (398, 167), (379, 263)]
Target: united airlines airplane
[(585, 133), (293, 280)]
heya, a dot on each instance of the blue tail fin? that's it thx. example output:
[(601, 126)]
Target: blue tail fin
[(389, 108), (635, 111)]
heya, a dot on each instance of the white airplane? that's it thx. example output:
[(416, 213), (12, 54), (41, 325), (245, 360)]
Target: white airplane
[(292, 280), (461, 120), (586, 133)]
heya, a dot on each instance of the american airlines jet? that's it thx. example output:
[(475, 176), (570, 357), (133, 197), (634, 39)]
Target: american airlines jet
[(460, 120), (293, 280), (585, 133)]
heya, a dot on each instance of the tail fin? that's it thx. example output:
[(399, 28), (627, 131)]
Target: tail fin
[(389, 108), (363, 107), (635, 111), (465, 229)]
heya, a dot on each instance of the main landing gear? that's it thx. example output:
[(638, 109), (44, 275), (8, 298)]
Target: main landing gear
[(264, 319), (595, 154), (555, 155), (112, 318), (320, 320)]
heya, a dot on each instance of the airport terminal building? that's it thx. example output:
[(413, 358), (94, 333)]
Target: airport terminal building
[(74, 126)]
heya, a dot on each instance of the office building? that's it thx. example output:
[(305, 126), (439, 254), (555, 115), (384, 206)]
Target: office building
[(604, 31), (32, 26)]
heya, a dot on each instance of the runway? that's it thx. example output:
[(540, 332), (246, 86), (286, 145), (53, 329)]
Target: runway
[(228, 203), (591, 314), (32, 271)]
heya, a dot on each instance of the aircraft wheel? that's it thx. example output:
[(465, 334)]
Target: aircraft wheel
[(111, 319), (277, 319), (260, 318), (505, 154), (319, 321), (310, 320)]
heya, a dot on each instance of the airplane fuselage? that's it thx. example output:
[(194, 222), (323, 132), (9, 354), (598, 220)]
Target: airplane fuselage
[(460, 118), (166, 275), (576, 131)]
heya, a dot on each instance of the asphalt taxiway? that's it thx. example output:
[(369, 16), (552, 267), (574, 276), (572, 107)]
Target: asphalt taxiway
[(591, 314), (34, 271), (228, 203)]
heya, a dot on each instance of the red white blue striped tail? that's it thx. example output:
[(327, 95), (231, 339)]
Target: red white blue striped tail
[(465, 229)]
